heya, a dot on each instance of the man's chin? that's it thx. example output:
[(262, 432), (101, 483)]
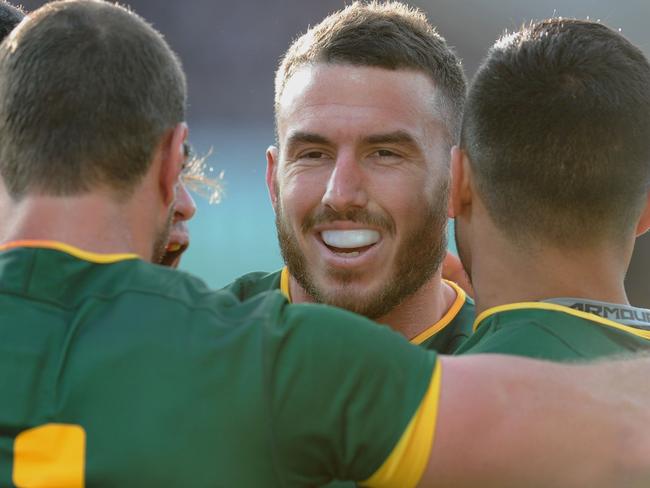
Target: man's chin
[(353, 297)]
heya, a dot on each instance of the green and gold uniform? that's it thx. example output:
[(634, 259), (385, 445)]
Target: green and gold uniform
[(561, 329), (117, 372), (444, 336)]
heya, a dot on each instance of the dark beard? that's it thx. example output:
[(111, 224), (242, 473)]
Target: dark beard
[(419, 257), (162, 237)]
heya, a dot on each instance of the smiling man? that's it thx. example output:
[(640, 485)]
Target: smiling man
[(118, 372), (368, 104)]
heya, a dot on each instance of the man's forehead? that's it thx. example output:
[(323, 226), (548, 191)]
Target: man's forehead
[(339, 88), (309, 76)]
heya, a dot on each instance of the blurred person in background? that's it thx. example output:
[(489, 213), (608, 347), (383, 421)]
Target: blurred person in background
[(550, 190), (368, 104), (10, 17)]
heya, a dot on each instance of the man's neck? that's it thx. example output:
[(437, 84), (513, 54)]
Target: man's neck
[(414, 315), (502, 274), (92, 222)]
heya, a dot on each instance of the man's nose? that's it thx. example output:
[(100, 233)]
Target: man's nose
[(184, 208), (346, 184)]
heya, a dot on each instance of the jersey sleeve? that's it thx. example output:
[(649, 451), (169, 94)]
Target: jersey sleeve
[(349, 400)]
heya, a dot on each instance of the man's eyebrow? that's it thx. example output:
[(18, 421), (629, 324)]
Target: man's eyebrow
[(397, 137), (301, 137)]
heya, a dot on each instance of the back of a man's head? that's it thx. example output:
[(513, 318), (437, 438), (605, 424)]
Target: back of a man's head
[(10, 17), (387, 35), (87, 89), (557, 129)]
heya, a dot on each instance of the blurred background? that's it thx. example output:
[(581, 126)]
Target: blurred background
[(230, 50)]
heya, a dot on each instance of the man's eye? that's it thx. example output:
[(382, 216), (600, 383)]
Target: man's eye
[(313, 155), (385, 153)]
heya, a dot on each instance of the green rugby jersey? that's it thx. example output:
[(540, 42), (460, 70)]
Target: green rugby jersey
[(552, 330), (117, 372), (444, 336)]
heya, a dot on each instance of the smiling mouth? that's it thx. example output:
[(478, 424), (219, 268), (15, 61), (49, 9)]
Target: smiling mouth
[(349, 243), (173, 254)]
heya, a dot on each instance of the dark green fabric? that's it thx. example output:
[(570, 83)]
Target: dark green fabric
[(447, 341), (550, 334), (177, 385), (456, 333), (251, 284)]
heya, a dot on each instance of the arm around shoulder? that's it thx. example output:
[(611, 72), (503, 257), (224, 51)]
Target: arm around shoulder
[(506, 421)]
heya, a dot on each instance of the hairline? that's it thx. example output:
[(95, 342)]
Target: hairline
[(440, 114)]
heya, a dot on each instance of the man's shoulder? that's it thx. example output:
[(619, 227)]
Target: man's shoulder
[(251, 284), (551, 332), (121, 290), (462, 323), (454, 328)]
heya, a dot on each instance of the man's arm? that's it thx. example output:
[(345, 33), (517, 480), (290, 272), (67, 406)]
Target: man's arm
[(350, 400), (506, 421)]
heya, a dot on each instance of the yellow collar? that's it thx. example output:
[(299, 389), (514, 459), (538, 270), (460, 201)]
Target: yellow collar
[(559, 308), (284, 283), (446, 319), (68, 249)]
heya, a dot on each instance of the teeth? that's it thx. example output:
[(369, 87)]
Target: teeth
[(350, 239), (173, 247)]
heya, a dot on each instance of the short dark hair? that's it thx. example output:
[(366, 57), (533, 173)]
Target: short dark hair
[(557, 130), (10, 17), (386, 35), (87, 90)]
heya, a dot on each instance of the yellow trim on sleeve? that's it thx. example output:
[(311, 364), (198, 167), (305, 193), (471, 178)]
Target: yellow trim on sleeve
[(284, 283), (645, 334), (446, 319), (405, 465), (72, 250)]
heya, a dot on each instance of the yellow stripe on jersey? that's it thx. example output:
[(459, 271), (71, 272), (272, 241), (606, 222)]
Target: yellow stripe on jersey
[(446, 319), (406, 463), (284, 283), (72, 250), (461, 298), (50, 456), (561, 308)]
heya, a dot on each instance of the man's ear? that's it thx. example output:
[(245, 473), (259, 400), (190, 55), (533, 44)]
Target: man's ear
[(460, 197), (272, 155), (172, 160), (644, 221)]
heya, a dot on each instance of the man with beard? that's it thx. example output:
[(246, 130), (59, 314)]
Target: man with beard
[(119, 372), (551, 188), (368, 104)]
